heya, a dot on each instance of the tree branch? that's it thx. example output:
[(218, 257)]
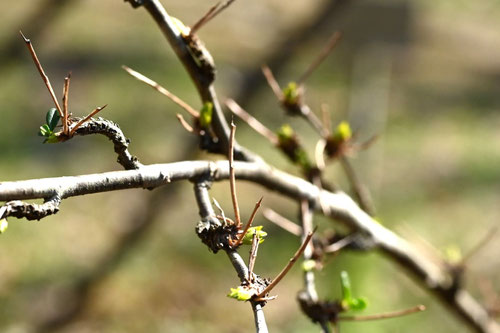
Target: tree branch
[(336, 205), (206, 211), (203, 84)]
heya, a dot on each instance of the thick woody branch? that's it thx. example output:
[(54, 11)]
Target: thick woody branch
[(336, 205)]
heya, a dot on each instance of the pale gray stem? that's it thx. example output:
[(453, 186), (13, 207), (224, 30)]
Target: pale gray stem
[(338, 206)]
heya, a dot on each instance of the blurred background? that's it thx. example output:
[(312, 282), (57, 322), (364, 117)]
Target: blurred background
[(424, 75)]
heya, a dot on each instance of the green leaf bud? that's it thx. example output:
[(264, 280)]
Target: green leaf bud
[(247, 239), (206, 114), (240, 293), (308, 265)]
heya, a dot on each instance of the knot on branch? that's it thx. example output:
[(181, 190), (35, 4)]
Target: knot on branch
[(32, 211), (204, 61), (215, 234), (113, 132), (209, 143), (318, 311)]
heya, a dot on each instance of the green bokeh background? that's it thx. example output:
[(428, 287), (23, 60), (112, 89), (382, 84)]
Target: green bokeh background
[(425, 75)]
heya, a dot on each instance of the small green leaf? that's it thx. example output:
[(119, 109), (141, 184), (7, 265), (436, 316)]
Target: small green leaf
[(240, 293), (358, 304), (308, 265), (348, 302), (206, 114), (345, 284), (247, 239), (52, 118), (3, 225), (44, 130), (52, 138), (291, 93), (343, 132)]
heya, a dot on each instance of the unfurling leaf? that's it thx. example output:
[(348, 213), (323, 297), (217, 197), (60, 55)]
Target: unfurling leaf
[(3, 225), (247, 239), (345, 284), (358, 304), (348, 302), (206, 114), (241, 293), (44, 130), (52, 117)]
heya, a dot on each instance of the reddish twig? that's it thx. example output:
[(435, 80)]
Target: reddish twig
[(285, 270), (211, 14), (251, 121), (65, 103), (253, 256), (184, 123), (282, 222), (83, 120), (162, 90), (418, 308), (249, 223), (271, 80), (324, 53), (44, 76), (232, 179)]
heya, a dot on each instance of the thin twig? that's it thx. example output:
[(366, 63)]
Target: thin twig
[(184, 123), (232, 179), (311, 117), (249, 223), (482, 243), (325, 116), (282, 222), (253, 256), (44, 76), (251, 121), (285, 270), (271, 80), (65, 103), (418, 308), (211, 14), (319, 154), (337, 246), (83, 120), (367, 144), (324, 53), (358, 188), (162, 90)]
